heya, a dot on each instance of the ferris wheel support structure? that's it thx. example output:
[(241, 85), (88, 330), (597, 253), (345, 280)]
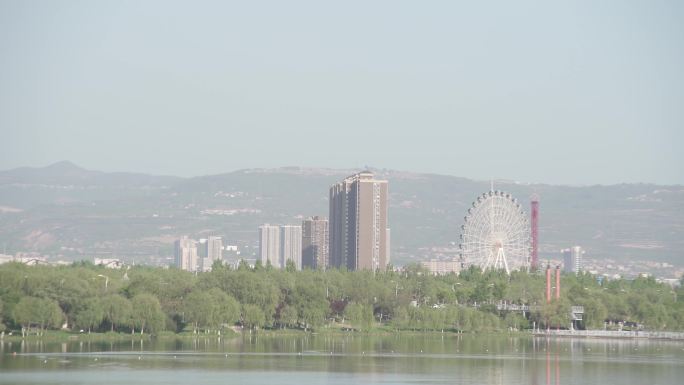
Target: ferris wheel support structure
[(496, 233)]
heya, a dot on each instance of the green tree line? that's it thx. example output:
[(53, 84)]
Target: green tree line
[(149, 300)]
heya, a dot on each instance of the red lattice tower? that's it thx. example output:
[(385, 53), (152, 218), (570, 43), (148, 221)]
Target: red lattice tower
[(535, 232), (548, 283)]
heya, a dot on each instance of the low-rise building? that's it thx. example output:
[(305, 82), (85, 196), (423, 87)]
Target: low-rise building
[(110, 263), (440, 267)]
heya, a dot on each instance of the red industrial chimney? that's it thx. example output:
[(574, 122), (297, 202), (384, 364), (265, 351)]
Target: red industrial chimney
[(548, 283), (557, 282), (535, 232)]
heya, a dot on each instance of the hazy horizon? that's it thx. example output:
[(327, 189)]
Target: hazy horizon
[(341, 170), (575, 94)]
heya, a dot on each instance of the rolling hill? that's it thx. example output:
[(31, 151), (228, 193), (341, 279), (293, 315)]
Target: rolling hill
[(67, 211)]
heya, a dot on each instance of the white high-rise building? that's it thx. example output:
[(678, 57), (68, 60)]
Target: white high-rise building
[(269, 245), (185, 254), (291, 245), (201, 253), (572, 259), (212, 252)]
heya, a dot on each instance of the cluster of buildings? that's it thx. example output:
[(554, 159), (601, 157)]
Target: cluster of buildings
[(279, 244), (356, 235), (34, 259), (110, 263), (442, 267), (193, 255), (28, 259), (573, 259)]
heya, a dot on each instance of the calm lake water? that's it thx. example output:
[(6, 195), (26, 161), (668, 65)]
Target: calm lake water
[(346, 359)]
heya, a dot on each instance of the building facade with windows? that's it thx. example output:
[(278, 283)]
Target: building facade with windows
[(358, 223), (269, 245), (291, 245), (315, 243), (572, 259), (185, 254)]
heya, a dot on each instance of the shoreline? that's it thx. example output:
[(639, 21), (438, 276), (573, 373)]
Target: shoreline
[(52, 336), (613, 334)]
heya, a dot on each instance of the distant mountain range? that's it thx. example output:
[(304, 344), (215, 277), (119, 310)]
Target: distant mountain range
[(65, 210)]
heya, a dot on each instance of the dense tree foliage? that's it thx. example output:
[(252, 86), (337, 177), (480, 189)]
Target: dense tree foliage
[(43, 312), (148, 300), (117, 310), (146, 313), (89, 314)]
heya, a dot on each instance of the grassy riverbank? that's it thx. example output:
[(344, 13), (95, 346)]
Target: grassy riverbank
[(66, 336)]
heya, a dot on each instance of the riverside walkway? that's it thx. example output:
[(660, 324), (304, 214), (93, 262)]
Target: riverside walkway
[(610, 334)]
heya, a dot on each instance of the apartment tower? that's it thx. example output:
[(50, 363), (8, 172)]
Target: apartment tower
[(269, 245), (212, 252), (358, 223), (572, 259), (185, 253), (291, 245), (315, 243)]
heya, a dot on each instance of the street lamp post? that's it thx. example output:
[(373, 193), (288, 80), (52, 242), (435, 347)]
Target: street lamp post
[(106, 279)]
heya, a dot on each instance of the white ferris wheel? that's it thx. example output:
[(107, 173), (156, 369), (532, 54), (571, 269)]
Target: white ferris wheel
[(496, 233)]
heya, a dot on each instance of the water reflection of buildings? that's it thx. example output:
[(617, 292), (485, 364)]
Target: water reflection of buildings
[(556, 366), (551, 360), (597, 356)]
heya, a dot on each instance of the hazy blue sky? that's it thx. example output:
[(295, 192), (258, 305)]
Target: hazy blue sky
[(563, 92)]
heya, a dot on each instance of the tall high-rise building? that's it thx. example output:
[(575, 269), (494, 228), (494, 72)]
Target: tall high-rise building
[(212, 252), (269, 245), (201, 253), (387, 248), (315, 243), (358, 222), (572, 259), (291, 245), (185, 253)]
